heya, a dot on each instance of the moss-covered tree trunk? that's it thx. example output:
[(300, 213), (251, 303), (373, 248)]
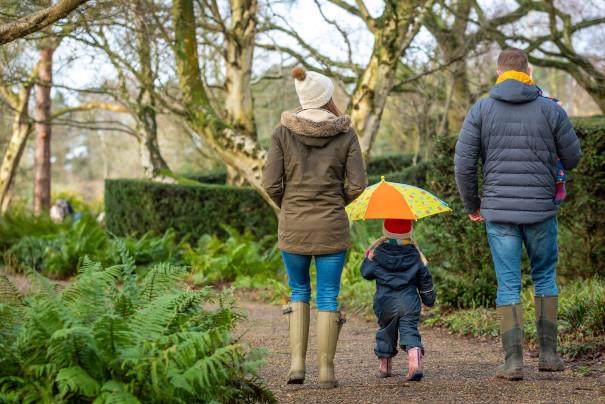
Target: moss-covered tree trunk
[(393, 33), (239, 56), (453, 42), (152, 161), (233, 145)]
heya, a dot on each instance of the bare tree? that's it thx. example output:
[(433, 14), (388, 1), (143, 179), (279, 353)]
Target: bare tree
[(393, 31), (38, 20), (555, 48), (136, 64), (458, 36)]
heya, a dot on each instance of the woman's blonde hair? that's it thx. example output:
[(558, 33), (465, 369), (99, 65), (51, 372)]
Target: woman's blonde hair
[(331, 106)]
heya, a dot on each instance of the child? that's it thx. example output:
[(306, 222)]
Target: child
[(402, 280), (560, 193)]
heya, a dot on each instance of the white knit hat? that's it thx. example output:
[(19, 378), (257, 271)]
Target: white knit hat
[(314, 89)]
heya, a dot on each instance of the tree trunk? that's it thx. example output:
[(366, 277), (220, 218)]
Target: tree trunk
[(396, 29), (152, 161), (234, 178), (43, 129), (238, 58), (461, 97), (234, 147), (454, 44), (21, 129)]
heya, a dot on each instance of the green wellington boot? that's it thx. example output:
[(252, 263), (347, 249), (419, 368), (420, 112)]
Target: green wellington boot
[(511, 331), (329, 324), (546, 324), (298, 322)]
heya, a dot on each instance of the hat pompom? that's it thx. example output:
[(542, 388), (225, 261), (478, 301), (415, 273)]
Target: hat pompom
[(299, 73)]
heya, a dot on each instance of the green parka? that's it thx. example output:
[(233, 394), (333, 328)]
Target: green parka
[(313, 170)]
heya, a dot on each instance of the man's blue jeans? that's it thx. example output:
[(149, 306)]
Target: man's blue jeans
[(506, 241), (328, 268)]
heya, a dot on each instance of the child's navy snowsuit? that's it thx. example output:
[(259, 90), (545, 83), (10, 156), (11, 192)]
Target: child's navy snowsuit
[(400, 277)]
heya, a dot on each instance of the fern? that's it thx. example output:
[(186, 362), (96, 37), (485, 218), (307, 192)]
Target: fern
[(9, 294), (75, 380), (114, 392), (110, 337), (161, 279)]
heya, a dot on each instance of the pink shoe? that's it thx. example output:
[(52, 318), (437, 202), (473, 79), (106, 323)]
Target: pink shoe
[(560, 193), (414, 365), (384, 369)]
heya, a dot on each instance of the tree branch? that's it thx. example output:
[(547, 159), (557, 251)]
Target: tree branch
[(37, 21)]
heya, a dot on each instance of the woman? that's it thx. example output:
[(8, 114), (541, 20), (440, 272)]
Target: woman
[(314, 168)]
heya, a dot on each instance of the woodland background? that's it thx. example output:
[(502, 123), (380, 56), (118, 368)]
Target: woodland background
[(153, 118)]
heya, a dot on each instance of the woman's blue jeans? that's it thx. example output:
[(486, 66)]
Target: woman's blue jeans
[(506, 242), (328, 267)]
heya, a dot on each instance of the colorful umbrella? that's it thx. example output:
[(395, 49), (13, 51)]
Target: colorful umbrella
[(390, 200)]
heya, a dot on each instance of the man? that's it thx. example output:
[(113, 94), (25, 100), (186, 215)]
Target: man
[(518, 134)]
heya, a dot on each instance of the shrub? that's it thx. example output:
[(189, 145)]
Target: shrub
[(210, 177), (138, 206), (108, 338), (30, 252), (582, 218), (581, 317), (390, 163), (413, 175), (150, 249), (85, 238), (59, 254), (241, 258), (19, 223)]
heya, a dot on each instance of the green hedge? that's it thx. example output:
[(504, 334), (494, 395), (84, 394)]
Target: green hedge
[(582, 214), (390, 163), (210, 177), (412, 175), (139, 206)]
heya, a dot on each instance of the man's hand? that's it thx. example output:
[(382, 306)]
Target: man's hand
[(476, 216)]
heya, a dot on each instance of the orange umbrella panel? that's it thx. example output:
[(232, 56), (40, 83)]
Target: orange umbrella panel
[(387, 202)]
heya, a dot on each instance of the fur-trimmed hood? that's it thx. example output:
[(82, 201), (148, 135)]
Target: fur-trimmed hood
[(315, 127)]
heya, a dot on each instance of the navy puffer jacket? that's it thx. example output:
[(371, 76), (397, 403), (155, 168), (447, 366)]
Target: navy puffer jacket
[(518, 134), (402, 280)]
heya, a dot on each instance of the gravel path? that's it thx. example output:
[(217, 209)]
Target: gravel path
[(456, 369)]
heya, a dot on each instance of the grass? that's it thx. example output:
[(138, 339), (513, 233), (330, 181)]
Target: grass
[(581, 318)]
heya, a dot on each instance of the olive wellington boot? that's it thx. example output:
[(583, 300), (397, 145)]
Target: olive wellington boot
[(298, 322), (329, 324), (546, 325), (511, 332)]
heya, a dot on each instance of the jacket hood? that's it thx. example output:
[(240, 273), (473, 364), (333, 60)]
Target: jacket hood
[(315, 127), (514, 92), (396, 257)]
